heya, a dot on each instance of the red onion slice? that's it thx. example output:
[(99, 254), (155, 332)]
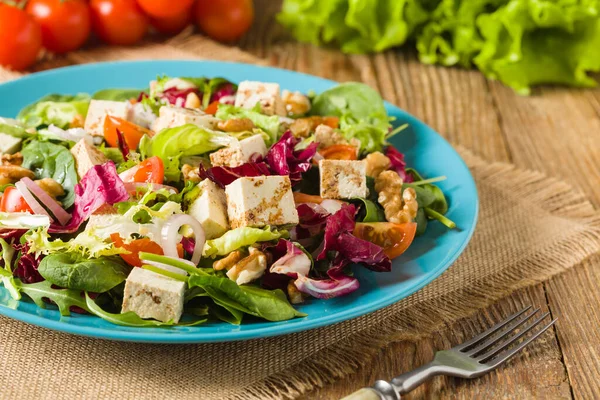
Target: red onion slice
[(60, 214), (31, 201), (170, 231)]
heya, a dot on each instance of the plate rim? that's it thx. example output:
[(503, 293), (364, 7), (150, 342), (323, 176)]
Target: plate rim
[(262, 332)]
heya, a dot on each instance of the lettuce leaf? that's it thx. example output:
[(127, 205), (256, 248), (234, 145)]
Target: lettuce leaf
[(238, 238), (269, 124), (55, 109)]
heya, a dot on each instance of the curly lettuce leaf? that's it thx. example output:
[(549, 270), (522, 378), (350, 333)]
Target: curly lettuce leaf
[(55, 109), (238, 238), (86, 244)]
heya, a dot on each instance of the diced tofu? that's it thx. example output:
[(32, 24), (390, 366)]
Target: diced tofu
[(9, 144), (234, 156), (99, 109), (341, 179), (151, 295), (86, 156), (210, 209), (173, 116), (250, 93), (260, 201)]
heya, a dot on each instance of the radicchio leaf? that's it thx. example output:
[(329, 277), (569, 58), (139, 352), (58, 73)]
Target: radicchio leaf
[(293, 263), (225, 90), (398, 163), (100, 185), (223, 176), (177, 97), (327, 288), (27, 265), (312, 218), (12, 235), (284, 160), (122, 144)]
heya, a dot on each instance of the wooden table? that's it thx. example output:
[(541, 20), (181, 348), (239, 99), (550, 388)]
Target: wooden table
[(556, 131)]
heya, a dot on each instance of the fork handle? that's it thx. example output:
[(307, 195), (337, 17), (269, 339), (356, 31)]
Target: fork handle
[(408, 381)]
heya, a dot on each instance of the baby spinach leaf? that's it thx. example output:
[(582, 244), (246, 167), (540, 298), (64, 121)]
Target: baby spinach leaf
[(228, 314), (369, 211), (49, 160), (72, 271)]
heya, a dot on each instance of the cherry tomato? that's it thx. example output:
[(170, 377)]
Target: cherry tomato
[(339, 152), (120, 22), (394, 238), (165, 8), (151, 170), (224, 20), (300, 198), (66, 25), (135, 247), (172, 25), (20, 38), (131, 132), (13, 201), (212, 107)]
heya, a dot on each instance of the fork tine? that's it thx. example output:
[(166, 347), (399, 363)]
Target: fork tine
[(490, 331), (484, 344), (505, 355), (511, 340)]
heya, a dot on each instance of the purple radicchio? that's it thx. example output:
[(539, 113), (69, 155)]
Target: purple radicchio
[(293, 263), (224, 94), (177, 97), (312, 219), (223, 176), (398, 163), (100, 185), (27, 265), (349, 248), (284, 160), (327, 288)]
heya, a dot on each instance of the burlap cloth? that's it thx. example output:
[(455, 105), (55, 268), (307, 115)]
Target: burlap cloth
[(530, 228)]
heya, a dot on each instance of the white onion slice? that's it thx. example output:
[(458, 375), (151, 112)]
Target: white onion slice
[(170, 232), (31, 201), (61, 215)]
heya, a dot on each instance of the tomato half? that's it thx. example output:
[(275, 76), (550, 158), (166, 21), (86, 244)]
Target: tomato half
[(66, 25), (13, 201), (300, 198), (394, 238), (151, 170), (120, 22), (131, 132), (339, 152), (212, 107), (165, 8), (224, 20), (20, 38), (172, 25), (135, 247)]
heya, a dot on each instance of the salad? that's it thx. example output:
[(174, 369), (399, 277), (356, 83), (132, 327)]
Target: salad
[(198, 199)]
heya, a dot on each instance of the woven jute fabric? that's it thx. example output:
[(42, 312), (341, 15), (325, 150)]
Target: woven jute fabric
[(530, 228)]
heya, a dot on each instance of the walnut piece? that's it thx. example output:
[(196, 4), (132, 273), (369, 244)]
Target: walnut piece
[(192, 100), (249, 268), (190, 173), (77, 122), (294, 294), (229, 261), (295, 103), (400, 207), (236, 125), (12, 159), (12, 173), (377, 163), (50, 186)]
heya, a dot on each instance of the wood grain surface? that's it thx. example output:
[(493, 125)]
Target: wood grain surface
[(556, 131)]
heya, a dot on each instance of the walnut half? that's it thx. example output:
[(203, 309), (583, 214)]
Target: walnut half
[(249, 268), (400, 207)]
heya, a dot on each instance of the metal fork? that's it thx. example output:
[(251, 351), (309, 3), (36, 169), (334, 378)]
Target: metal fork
[(471, 359)]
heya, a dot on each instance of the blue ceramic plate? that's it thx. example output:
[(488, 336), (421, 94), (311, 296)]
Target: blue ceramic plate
[(429, 256)]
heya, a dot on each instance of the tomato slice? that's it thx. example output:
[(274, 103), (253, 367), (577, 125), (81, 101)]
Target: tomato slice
[(394, 238), (13, 201), (339, 152), (135, 247), (212, 107), (131, 132), (151, 170), (300, 198)]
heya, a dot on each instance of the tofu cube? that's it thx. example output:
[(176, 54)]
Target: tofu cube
[(250, 93), (9, 144), (234, 156), (210, 209), (97, 112), (151, 295), (86, 156), (341, 179), (260, 201), (173, 116)]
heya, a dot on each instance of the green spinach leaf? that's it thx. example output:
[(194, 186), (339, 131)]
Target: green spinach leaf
[(49, 160), (73, 271)]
